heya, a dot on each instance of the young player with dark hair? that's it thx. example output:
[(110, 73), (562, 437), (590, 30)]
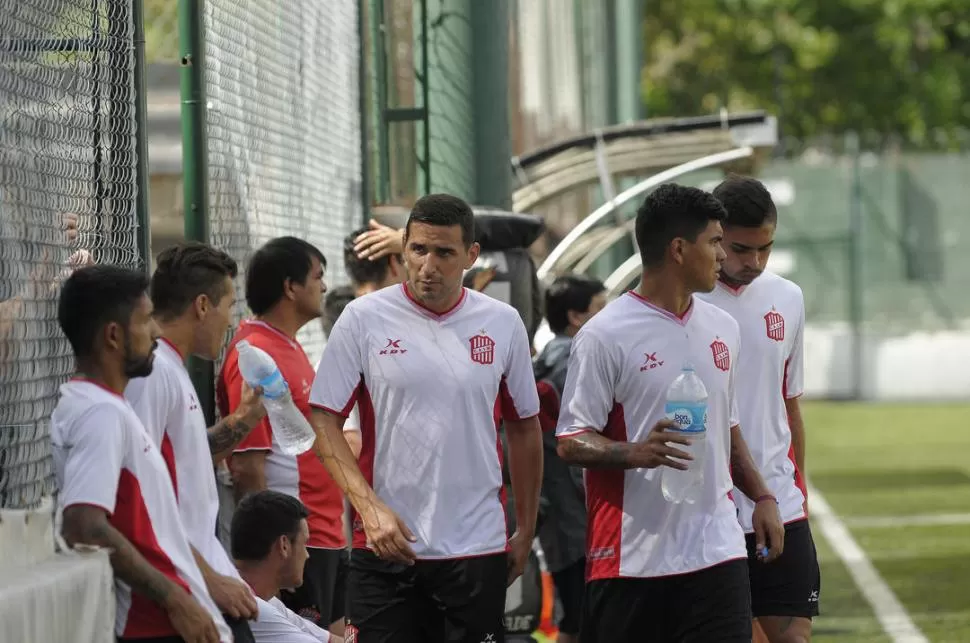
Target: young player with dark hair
[(192, 293), (770, 311), (656, 569)]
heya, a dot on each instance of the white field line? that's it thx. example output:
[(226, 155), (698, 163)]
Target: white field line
[(917, 520), (890, 613)]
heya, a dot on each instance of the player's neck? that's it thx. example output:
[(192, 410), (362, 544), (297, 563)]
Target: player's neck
[(666, 292), (263, 582), (179, 335), (286, 321), (113, 379)]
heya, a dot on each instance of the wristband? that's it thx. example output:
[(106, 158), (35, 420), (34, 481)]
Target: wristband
[(766, 497)]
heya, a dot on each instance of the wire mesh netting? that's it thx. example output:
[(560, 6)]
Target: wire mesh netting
[(283, 129), (67, 190)]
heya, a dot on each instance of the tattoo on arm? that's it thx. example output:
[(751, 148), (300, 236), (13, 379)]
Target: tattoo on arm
[(594, 451), (90, 526), (225, 435)]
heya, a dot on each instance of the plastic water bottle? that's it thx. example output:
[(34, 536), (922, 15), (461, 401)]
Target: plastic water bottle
[(687, 406), (290, 427)]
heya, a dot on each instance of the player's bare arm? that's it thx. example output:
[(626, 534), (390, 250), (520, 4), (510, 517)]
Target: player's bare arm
[(593, 450), (387, 534), (230, 595), (797, 426), (248, 472), (230, 431), (525, 469), (88, 525), (766, 520)]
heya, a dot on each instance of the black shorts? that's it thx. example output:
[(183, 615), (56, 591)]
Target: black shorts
[(322, 598), (570, 586), (712, 605), (790, 585), (454, 601)]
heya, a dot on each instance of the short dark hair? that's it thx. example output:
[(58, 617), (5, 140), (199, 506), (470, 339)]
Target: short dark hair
[(747, 201), (673, 211), (443, 210), (95, 296), (334, 304), (187, 270), (279, 260), (364, 271), (260, 519), (569, 293)]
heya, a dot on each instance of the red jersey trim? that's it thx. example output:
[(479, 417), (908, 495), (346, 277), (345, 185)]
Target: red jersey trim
[(173, 347), (604, 505), (168, 454), (145, 619), (103, 387), (421, 308), (680, 319)]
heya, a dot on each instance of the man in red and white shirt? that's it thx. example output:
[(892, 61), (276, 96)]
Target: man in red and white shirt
[(193, 294), (770, 311), (658, 570), (432, 367), (115, 490), (284, 290)]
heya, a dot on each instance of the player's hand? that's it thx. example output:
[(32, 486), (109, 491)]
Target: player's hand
[(388, 536), (654, 451), (233, 597), (189, 619), (769, 530), (379, 241), (251, 410), (519, 548)]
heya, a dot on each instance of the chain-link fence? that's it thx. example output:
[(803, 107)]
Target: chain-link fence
[(283, 129), (67, 196)]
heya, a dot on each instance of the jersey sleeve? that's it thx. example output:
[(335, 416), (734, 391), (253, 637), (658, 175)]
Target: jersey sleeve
[(94, 458), (153, 399), (794, 383), (520, 399), (277, 624), (588, 395), (261, 437), (341, 367)]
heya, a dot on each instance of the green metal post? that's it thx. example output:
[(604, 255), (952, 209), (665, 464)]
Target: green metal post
[(195, 171), (141, 137), (855, 266), (490, 102)]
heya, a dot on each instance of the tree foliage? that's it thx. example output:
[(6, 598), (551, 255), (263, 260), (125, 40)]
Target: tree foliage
[(823, 66)]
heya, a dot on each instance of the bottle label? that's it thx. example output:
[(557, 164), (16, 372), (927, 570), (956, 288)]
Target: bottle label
[(691, 416)]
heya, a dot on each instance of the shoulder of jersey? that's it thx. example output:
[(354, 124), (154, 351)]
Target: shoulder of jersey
[(481, 299), (603, 324), (714, 312), (783, 284)]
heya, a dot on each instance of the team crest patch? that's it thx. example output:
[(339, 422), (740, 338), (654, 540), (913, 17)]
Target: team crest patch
[(775, 325), (482, 348), (721, 354)]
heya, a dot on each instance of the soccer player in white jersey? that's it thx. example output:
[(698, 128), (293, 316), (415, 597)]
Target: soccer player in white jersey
[(269, 543), (770, 311), (658, 571), (433, 367), (115, 490), (193, 295)]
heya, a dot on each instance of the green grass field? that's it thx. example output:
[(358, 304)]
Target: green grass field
[(883, 467)]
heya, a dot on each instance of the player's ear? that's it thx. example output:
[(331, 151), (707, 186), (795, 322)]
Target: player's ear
[(472, 255), (677, 248), (201, 305), (113, 336)]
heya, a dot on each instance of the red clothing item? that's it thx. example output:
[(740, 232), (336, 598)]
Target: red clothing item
[(302, 476)]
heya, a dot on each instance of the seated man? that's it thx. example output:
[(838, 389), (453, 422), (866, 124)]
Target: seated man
[(269, 536)]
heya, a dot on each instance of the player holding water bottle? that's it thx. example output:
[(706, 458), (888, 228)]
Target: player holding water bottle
[(662, 570)]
